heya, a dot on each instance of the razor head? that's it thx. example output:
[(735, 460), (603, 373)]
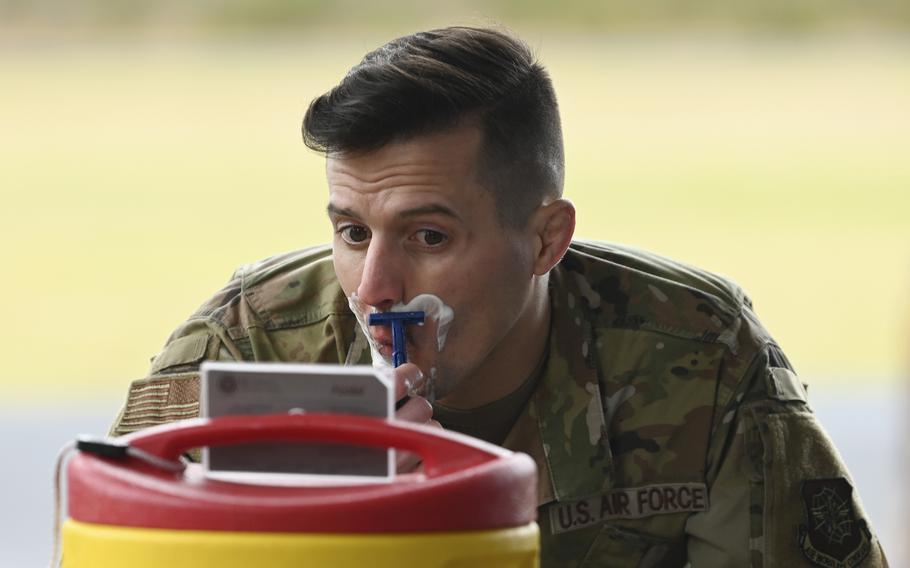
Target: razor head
[(406, 318)]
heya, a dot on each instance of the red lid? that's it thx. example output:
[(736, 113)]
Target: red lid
[(466, 484)]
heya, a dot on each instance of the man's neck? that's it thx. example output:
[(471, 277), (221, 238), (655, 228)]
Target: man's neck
[(513, 360)]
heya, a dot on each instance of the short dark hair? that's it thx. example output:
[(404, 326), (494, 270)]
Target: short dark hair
[(431, 81)]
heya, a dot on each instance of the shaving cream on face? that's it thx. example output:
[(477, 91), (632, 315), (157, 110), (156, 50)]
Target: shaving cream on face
[(436, 311)]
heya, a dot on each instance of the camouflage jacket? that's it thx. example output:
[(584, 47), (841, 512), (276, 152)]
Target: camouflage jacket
[(668, 427)]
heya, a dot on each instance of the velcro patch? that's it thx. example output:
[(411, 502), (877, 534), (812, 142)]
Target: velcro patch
[(784, 385), (629, 503), (832, 536), (184, 351), (158, 401)]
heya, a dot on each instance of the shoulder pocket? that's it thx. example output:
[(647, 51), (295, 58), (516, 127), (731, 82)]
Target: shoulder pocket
[(805, 509), (782, 384), (184, 351)]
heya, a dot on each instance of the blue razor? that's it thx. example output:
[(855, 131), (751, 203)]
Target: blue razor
[(397, 321)]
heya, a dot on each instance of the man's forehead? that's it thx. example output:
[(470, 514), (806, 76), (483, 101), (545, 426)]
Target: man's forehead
[(427, 175), (453, 149)]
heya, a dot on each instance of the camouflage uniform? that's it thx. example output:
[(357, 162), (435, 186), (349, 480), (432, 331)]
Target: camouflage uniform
[(668, 427)]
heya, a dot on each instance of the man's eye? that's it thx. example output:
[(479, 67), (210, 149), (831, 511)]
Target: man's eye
[(430, 237), (354, 234)]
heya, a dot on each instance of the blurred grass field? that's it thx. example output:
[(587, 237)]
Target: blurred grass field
[(137, 176)]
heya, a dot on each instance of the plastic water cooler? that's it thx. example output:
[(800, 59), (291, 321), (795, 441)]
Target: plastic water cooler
[(474, 504)]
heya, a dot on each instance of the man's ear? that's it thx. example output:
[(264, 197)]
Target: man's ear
[(554, 225)]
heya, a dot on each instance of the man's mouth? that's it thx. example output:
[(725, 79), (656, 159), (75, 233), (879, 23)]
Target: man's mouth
[(418, 337), (385, 349), (382, 339)]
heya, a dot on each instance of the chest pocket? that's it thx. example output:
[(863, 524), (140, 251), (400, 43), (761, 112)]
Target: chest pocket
[(615, 546), (607, 544)]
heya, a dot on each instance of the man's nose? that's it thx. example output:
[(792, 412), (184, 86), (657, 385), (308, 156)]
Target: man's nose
[(381, 282)]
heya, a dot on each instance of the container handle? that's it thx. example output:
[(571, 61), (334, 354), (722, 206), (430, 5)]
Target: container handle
[(442, 452)]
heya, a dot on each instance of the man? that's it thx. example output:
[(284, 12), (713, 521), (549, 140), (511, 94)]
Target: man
[(667, 425)]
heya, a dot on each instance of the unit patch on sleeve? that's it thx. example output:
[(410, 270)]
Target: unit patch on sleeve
[(628, 503), (832, 536)]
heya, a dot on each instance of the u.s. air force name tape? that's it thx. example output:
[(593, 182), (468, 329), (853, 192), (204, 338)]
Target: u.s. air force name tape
[(628, 503)]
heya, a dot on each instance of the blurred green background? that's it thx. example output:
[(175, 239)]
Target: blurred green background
[(149, 148)]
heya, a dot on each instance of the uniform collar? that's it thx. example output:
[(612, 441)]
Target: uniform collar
[(563, 427)]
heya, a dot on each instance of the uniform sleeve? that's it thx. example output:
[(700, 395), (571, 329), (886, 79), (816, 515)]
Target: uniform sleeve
[(171, 389), (780, 494)]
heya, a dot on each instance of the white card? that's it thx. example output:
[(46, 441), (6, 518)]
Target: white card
[(230, 389)]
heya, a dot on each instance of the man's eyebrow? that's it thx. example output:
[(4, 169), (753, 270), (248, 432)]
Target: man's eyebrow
[(433, 209), (334, 211)]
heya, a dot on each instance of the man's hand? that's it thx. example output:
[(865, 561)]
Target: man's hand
[(409, 379)]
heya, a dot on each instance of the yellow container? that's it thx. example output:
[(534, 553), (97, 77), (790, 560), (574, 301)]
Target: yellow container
[(101, 546)]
